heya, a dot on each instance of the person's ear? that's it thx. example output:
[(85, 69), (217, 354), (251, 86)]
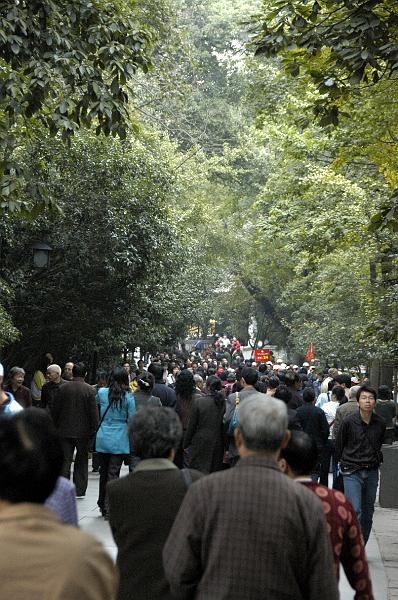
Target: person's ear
[(238, 438), (283, 465), (285, 439)]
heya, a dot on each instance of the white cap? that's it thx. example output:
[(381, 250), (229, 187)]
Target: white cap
[(295, 366), (306, 364), (283, 366), (1, 370), (276, 367)]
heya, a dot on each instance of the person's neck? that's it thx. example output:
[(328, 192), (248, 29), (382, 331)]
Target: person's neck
[(245, 453), (4, 504), (15, 386), (366, 415)]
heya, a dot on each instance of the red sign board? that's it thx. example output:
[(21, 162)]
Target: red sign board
[(261, 355)]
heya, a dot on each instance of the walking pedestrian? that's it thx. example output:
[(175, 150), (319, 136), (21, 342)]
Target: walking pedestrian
[(143, 505), (42, 557), (117, 406), (75, 416), (298, 460), (358, 448), (204, 435), (250, 532)]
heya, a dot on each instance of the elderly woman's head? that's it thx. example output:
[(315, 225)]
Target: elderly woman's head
[(155, 432)]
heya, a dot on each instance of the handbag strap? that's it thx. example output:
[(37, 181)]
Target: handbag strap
[(102, 418)]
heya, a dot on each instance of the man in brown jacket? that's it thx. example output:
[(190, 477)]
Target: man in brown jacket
[(42, 559), (75, 415), (250, 532)]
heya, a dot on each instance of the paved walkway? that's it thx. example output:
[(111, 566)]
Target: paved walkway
[(383, 565)]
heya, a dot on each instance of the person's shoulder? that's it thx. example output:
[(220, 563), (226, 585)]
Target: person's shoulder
[(196, 475)]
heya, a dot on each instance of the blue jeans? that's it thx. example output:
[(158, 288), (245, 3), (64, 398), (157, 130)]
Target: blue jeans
[(360, 488)]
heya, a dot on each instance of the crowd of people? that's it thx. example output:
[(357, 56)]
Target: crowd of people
[(229, 492)]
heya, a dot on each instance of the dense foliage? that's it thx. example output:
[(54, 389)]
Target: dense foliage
[(261, 181)]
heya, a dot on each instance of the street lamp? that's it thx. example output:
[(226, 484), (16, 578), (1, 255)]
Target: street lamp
[(41, 255)]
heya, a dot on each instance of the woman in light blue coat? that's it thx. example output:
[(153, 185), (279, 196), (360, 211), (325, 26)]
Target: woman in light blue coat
[(117, 406)]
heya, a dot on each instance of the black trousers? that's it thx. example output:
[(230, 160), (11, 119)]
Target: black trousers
[(109, 468), (80, 471)]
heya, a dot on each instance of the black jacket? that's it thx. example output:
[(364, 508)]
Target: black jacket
[(313, 421), (74, 411), (166, 394)]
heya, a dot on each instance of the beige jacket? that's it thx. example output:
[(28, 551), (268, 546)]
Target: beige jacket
[(43, 559)]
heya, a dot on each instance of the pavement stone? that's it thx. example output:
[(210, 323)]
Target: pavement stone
[(382, 547)]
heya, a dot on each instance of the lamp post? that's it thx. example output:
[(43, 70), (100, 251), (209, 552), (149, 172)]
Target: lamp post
[(41, 255)]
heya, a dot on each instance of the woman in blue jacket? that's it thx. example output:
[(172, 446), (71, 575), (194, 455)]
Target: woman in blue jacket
[(116, 406)]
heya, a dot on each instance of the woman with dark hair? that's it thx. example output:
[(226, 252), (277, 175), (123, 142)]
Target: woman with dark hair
[(39, 377), (143, 395), (186, 392), (116, 406), (205, 431)]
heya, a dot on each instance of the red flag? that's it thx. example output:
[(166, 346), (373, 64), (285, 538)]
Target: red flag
[(310, 355)]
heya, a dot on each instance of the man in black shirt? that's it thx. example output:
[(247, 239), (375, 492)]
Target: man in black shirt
[(313, 421), (386, 408), (358, 445)]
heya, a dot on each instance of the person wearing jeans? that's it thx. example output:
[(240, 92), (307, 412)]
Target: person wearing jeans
[(361, 487), (358, 449)]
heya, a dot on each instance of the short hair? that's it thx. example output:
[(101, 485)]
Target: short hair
[(344, 378), (301, 453), (339, 392), (262, 421), (367, 388), (250, 375), (55, 368), (283, 393), (308, 395), (31, 457), (16, 371), (353, 391), (273, 382), (79, 370), (384, 392), (291, 378), (157, 371), (197, 379), (155, 431)]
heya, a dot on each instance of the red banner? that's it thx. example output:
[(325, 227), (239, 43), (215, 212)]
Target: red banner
[(261, 355), (310, 355)]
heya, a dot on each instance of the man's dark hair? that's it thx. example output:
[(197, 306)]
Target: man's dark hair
[(283, 393), (273, 382), (262, 368), (31, 457), (339, 392), (367, 388), (155, 431), (301, 453), (157, 372), (79, 370), (308, 395), (291, 378), (384, 392), (250, 375), (345, 379)]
